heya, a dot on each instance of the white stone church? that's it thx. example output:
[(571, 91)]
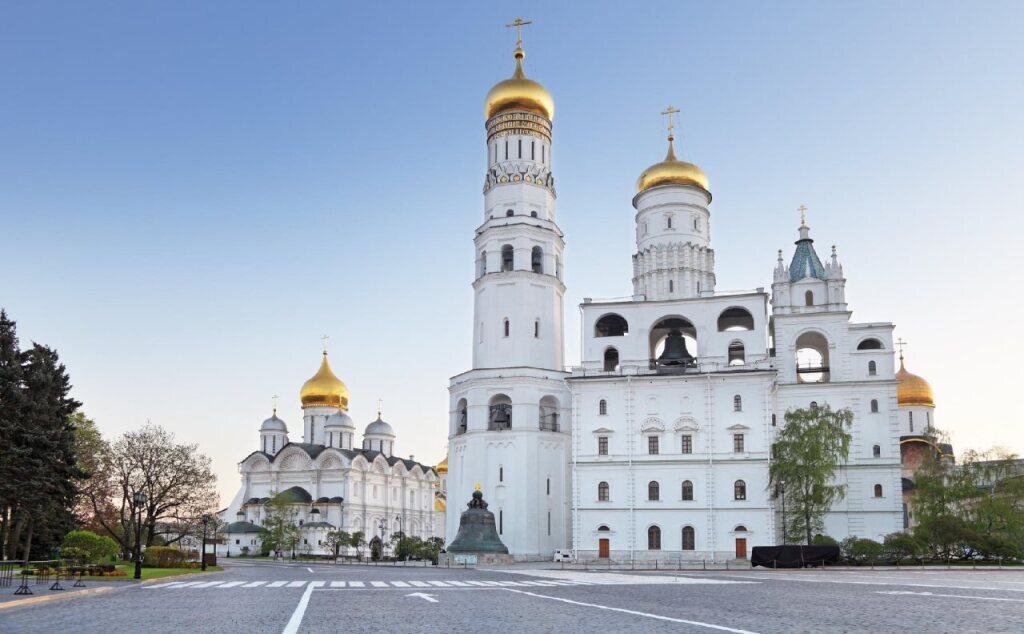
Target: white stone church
[(330, 481), (657, 444)]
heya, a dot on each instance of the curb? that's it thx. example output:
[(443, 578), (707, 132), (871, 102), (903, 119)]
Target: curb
[(91, 591)]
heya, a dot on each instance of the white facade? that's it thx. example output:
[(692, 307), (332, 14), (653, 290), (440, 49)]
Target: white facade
[(331, 485), (657, 445)]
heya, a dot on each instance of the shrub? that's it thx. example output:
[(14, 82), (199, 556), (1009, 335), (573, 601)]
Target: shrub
[(860, 550), (88, 546), (901, 546), (823, 540), (164, 557)]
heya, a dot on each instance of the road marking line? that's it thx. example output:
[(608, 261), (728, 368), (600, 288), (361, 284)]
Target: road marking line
[(296, 584), (231, 584), (207, 584), (423, 595), (461, 584), (476, 583), (356, 584), (293, 623), (337, 584), (309, 569), (254, 584), (950, 596), (277, 584), (781, 577), (400, 584), (634, 612), (420, 584), (317, 584), (493, 583), (163, 585), (378, 584), (438, 583)]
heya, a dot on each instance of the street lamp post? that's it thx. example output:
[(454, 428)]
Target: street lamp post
[(140, 500), (383, 526), (782, 488), (202, 553), (401, 533)]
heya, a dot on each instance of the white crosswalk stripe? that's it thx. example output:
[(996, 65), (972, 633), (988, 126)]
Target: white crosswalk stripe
[(296, 584), (356, 584), (277, 584), (231, 584), (401, 584), (378, 584), (254, 584), (337, 584)]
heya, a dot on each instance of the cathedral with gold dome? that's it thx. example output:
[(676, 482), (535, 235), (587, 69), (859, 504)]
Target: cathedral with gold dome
[(656, 443), (332, 482)]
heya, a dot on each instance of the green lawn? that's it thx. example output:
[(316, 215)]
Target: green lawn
[(156, 573)]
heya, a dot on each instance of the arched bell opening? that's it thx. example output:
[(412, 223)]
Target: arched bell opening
[(549, 414), (500, 413), (673, 344), (461, 416), (812, 358)]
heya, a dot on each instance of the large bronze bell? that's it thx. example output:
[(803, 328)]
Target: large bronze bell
[(675, 352)]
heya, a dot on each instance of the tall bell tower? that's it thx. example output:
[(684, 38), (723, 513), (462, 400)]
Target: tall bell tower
[(509, 429)]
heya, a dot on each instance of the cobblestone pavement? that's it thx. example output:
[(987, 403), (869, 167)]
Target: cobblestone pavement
[(293, 598)]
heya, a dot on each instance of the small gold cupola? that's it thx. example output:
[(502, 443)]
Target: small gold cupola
[(672, 171), (913, 389), (518, 92), (324, 389)]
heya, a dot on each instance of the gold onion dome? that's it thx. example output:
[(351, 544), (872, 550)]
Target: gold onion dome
[(519, 93), (912, 389), (324, 389), (672, 171), (442, 467)]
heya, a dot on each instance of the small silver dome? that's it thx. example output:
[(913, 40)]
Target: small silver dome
[(379, 428), (340, 419), (274, 424)]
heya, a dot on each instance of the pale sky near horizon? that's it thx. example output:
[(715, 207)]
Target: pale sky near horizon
[(193, 193)]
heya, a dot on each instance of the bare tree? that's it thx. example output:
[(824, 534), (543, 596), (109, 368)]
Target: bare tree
[(177, 481)]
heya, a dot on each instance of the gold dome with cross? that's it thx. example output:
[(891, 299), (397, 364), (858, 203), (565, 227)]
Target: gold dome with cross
[(672, 171), (518, 92)]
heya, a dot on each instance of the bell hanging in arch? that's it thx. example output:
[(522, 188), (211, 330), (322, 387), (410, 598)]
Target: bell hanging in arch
[(675, 352)]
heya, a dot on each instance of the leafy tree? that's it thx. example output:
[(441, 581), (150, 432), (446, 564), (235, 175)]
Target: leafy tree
[(280, 531), (860, 550), (901, 546), (89, 451), (178, 482), (358, 542), (336, 540), (12, 407), (88, 546), (807, 453)]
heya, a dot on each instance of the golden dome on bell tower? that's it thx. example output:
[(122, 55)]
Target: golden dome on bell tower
[(324, 389), (672, 171), (518, 92)]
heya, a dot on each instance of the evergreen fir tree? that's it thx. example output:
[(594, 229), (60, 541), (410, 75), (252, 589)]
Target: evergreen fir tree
[(12, 406)]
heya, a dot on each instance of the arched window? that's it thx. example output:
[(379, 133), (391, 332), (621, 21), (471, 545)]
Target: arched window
[(872, 368), (653, 491), (737, 403), (537, 260), (668, 222), (878, 490), (654, 538), (483, 262), (809, 298), (611, 325), (812, 355), (671, 286), (737, 354), (507, 257), (602, 491), (549, 413), (687, 490), (739, 490), (870, 344), (509, 213), (874, 406), (876, 452), (611, 360), (536, 329), (689, 538), (500, 413), (814, 405), (462, 415), (735, 319), (506, 327), (910, 419), (603, 528), (602, 407), (773, 420)]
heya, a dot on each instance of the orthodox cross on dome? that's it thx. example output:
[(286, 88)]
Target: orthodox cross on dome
[(519, 23), (803, 215), (324, 339), (380, 406), (671, 124), (274, 401), (899, 344)]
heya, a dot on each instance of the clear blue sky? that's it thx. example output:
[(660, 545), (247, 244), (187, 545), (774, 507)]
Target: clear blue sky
[(193, 193)]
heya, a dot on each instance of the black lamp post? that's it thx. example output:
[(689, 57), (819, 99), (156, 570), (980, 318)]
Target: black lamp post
[(140, 500), (202, 553), (782, 489)]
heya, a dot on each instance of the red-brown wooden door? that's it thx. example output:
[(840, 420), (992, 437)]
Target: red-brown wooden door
[(741, 548), (602, 548)]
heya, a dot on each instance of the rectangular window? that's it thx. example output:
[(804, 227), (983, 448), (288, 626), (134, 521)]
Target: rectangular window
[(533, 157), (520, 148), (501, 474), (652, 445), (687, 443), (549, 522), (543, 154), (602, 445), (506, 150), (501, 521), (737, 443), (549, 486)]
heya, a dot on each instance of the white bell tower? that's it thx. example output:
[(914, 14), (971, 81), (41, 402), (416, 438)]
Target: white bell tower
[(509, 428)]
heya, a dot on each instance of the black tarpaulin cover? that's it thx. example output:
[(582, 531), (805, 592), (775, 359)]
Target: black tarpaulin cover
[(793, 556)]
